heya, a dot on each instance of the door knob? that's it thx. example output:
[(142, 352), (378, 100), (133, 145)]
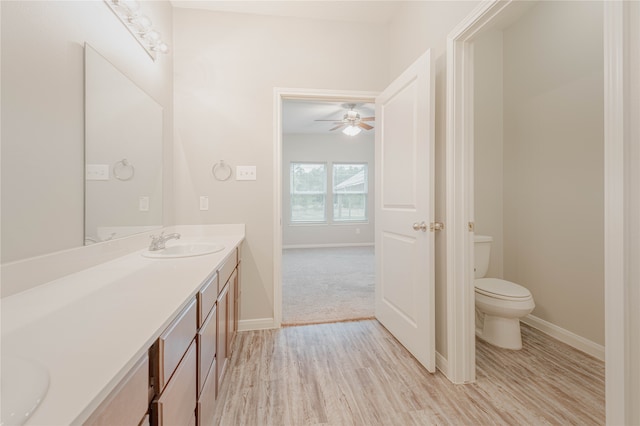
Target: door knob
[(420, 226), (437, 226)]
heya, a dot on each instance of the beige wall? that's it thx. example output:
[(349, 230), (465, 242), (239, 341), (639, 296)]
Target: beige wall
[(488, 145), (226, 68), (330, 149), (419, 26), (553, 163), (43, 114)]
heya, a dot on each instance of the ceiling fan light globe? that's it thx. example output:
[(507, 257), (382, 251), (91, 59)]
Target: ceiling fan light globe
[(351, 130)]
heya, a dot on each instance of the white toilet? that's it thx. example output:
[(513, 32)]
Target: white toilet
[(499, 304)]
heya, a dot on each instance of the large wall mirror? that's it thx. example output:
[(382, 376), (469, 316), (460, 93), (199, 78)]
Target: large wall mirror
[(123, 154)]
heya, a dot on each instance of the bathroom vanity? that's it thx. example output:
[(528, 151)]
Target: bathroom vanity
[(135, 340)]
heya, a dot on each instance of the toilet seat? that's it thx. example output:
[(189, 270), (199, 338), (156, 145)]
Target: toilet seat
[(501, 289)]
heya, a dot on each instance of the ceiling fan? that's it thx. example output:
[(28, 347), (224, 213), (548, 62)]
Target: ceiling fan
[(352, 122)]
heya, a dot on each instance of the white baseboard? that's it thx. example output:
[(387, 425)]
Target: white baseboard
[(566, 336), (300, 246), (442, 364), (256, 324)]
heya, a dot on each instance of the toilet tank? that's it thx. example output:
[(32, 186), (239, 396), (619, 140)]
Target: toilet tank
[(482, 251)]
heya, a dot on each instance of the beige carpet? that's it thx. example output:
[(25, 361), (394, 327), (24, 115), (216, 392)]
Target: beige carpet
[(327, 285)]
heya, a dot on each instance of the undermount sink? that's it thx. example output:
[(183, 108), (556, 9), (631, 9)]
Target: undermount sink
[(184, 250), (24, 385)]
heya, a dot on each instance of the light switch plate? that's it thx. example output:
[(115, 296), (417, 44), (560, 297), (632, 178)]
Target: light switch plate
[(204, 202), (97, 172), (245, 172)]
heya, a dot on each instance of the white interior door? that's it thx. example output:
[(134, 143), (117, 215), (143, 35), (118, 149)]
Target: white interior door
[(405, 276)]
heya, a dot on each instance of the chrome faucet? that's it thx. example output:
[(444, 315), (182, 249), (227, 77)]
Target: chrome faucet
[(157, 243)]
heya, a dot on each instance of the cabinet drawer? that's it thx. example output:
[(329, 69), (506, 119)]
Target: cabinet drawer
[(206, 348), (172, 344), (128, 402), (207, 298), (176, 405), (225, 271), (207, 400)]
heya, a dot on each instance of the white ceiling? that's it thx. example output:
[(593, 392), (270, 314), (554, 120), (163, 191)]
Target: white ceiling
[(298, 116), (350, 11)]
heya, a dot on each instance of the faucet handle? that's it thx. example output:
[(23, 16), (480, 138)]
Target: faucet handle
[(157, 241), (157, 237)]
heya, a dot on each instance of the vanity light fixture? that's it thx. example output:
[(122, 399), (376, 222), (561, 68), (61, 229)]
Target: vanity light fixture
[(351, 130), (128, 11)]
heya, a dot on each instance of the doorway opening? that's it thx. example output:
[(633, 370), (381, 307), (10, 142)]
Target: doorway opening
[(328, 157), (325, 266), (460, 214)]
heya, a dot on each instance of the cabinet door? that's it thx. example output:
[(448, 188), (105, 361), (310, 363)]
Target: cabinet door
[(225, 271), (233, 325), (177, 404), (223, 324), (172, 344), (207, 401), (128, 402), (207, 298), (206, 348)]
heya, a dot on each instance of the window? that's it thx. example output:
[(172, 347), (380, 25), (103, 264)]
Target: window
[(309, 198), (308, 192), (350, 187)]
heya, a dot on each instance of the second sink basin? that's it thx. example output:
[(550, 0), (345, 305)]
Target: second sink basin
[(184, 250), (24, 386)]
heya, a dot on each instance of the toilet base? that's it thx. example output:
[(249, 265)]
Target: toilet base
[(501, 332)]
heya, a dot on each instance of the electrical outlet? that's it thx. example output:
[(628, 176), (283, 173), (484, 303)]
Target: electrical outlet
[(204, 202), (245, 172), (143, 203)]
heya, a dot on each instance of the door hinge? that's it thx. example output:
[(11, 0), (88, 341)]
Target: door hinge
[(471, 226)]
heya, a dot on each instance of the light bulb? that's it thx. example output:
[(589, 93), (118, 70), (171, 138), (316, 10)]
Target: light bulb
[(161, 47), (152, 35), (351, 130), (131, 6), (141, 23)]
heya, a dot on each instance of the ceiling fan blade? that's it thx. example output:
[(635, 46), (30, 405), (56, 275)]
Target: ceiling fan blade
[(338, 126), (368, 119), (365, 126)]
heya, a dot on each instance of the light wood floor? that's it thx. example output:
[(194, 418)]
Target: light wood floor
[(356, 373)]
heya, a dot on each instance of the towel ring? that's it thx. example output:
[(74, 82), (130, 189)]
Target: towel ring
[(221, 171), (122, 170)]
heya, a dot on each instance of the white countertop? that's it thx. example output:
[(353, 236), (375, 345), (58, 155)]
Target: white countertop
[(89, 328)]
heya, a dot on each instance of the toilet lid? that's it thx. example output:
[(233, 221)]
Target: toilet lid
[(494, 287)]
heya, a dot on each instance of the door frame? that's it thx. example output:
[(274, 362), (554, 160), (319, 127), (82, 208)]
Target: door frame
[(281, 94), (621, 200)]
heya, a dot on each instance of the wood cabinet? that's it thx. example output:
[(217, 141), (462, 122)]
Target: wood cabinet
[(206, 299), (177, 402), (226, 269), (128, 403), (232, 326), (206, 402), (171, 346), (207, 344), (179, 381), (221, 356)]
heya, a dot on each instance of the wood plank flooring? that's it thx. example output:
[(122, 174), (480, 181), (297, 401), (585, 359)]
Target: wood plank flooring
[(356, 373)]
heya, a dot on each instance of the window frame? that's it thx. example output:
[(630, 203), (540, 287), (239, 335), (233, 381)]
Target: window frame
[(325, 194), (365, 193)]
